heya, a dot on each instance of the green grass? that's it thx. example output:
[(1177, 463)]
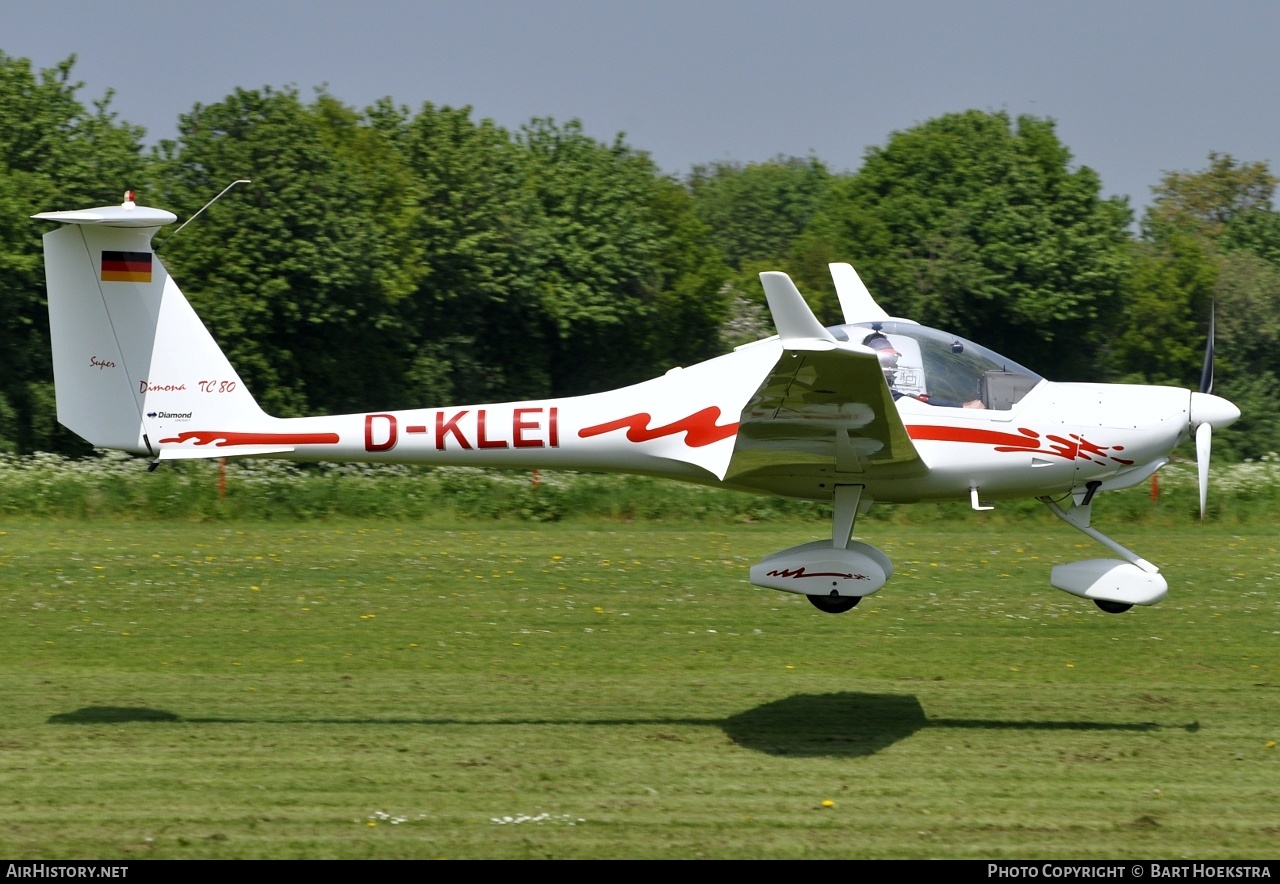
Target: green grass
[(276, 690), (116, 486)]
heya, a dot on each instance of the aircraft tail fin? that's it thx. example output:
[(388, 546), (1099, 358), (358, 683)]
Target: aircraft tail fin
[(133, 364)]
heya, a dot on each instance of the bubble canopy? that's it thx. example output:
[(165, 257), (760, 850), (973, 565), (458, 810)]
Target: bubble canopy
[(945, 369)]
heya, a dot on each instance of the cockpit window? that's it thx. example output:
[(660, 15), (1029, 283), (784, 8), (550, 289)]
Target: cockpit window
[(944, 369)]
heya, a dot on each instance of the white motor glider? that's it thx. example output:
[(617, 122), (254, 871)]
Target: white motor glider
[(876, 409)]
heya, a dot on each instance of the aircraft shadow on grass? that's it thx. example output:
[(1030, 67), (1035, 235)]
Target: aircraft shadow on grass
[(851, 725), (841, 725)]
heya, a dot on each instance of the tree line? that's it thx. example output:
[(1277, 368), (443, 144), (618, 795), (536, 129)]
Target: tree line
[(390, 258)]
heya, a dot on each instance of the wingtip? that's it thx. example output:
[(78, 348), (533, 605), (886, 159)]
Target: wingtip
[(856, 302), (796, 324)]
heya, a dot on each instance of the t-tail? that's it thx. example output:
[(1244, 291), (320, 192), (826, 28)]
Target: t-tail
[(133, 365)]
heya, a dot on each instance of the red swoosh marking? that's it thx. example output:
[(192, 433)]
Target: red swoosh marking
[(699, 428), (1074, 448), (204, 437)]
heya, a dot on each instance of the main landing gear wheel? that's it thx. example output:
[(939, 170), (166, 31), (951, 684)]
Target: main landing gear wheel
[(1112, 607), (834, 603)]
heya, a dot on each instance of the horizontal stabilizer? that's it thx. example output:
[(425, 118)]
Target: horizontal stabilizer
[(127, 215)]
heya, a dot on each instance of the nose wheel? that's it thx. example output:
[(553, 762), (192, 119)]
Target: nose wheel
[(834, 603), (1113, 585)]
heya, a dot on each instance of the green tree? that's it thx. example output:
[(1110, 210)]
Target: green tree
[(1247, 370), (1211, 241), (1208, 201), (755, 214), (476, 319), (614, 252), (1167, 299), (297, 275), (979, 224), (694, 299), (1256, 231), (55, 153), (383, 259), (756, 211)]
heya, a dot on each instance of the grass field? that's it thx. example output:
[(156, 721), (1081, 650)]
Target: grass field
[(354, 688)]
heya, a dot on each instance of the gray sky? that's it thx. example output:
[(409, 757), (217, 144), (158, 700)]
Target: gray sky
[(1137, 88)]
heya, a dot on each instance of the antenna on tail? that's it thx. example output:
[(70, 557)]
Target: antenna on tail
[(197, 214)]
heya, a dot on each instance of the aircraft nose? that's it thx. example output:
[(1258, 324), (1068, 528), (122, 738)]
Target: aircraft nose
[(1212, 410)]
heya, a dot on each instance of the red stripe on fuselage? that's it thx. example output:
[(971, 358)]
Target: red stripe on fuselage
[(204, 437), (1029, 439)]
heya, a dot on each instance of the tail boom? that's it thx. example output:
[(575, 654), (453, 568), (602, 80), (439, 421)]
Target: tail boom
[(673, 436)]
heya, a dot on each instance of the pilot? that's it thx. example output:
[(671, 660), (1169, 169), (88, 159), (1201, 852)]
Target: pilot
[(888, 357)]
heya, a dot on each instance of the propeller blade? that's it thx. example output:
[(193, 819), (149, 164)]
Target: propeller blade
[(1204, 437), (1206, 373)]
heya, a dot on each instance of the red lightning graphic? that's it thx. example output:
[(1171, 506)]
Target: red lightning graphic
[(1076, 447), (699, 428), (204, 437)]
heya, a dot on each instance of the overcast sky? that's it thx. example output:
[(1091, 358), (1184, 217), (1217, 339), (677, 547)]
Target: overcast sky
[(1136, 88)]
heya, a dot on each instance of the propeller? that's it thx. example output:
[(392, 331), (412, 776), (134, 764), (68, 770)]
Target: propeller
[(1208, 411), (1204, 437), (1206, 373)]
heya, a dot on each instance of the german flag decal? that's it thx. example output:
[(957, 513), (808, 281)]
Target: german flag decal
[(126, 266)]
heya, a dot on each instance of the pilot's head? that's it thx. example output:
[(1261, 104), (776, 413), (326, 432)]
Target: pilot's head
[(885, 352)]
